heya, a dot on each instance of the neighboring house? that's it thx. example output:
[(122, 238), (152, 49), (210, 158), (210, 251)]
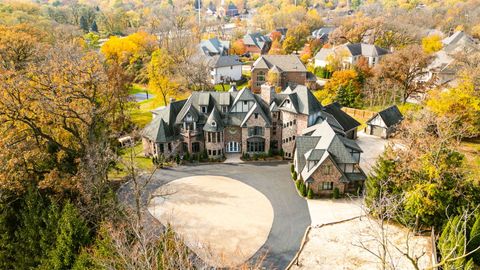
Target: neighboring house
[(290, 69), (230, 11), (325, 161), (256, 43), (225, 68), (384, 123), (234, 122), (460, 41), (322, 33), (442, 69), (350, 53), (214, 46), (211, 9)]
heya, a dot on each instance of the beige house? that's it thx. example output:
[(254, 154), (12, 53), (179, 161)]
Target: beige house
[(349, 54)]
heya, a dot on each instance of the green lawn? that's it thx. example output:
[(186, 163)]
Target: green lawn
[(142, 163), (218, 87), (471, 149), (141, 111)]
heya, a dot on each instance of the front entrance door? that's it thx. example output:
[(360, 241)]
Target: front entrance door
[(233, 147)]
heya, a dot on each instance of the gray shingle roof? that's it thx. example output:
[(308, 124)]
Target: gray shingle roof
[(303, 101), (214, 46), (390, 116), (354, 49), (214, 122), (285, 63), (257, 39), (303, 145), (346, 121), (218, 61)]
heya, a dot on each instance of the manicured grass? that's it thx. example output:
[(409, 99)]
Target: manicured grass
[(141, 162), (141, 111), (218, 87)]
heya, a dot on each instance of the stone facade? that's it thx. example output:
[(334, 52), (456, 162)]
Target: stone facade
[(256, 120), (286, 79), (292, 126), (214, 144), (326, 172)]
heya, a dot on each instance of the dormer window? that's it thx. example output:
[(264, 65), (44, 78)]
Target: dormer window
[(255, 115), (203, 109)]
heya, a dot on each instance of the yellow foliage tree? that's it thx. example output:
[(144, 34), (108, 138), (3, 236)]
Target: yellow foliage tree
[(276, 48), (160, 75), (432, 44), (461, 105), (341, 78), (130, 49)]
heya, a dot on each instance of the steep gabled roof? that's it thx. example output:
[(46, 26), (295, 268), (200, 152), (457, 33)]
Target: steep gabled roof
[(304, 144), (256, 39), (256, 108), (303, 101), (346, 121), (219, 61), (214, 46), (390, 116), (158, 131), (283, 63), (214, 122)]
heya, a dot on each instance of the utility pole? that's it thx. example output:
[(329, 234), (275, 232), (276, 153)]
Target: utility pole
[(199, 11)]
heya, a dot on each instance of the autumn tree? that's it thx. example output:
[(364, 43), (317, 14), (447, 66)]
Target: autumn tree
[(460, 104), (432, 44), (160, 74), (18, 45), (276, 48), (238, 47), (405, 68), (296, 38)]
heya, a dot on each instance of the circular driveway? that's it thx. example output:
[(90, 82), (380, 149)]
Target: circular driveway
[(206, 210), (290, 212)]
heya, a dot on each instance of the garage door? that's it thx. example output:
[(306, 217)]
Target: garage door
[(377, 131)]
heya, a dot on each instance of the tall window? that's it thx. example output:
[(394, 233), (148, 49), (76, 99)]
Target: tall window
[(255, 131), (327, 169), (260, 78), (327, 186), (256, 146)]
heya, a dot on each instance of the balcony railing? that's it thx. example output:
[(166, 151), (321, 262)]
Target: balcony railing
[(189, 132)]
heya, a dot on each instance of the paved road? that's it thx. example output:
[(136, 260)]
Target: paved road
[(291, 215)]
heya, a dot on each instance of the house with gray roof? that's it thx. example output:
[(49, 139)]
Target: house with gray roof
[(443, 69), (214, 46), (257, 43), (350, 53), (225, 68), (291, 71), (235, 122), (384, 123), (322, 33), (326, 160)]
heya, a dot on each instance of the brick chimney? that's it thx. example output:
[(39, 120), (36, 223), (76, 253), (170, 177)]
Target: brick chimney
[(267, 93)]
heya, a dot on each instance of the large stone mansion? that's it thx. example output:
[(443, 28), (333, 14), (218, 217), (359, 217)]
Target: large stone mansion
[(219, 123)]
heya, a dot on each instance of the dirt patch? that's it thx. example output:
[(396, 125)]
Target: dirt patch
[(339, 247)]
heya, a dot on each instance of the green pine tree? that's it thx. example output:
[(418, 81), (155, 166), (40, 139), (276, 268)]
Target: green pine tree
[(84, 24), (310, 193), (94, 27), (72, 233), (474, 240)]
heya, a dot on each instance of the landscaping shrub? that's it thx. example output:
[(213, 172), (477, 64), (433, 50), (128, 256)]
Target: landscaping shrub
[(336, 193), (204, 155), (310, 193), (303, 190), (292, 168), (177, 159), (255, 156), (270, 152), (298, 183), (187, 156), (294, 175)]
